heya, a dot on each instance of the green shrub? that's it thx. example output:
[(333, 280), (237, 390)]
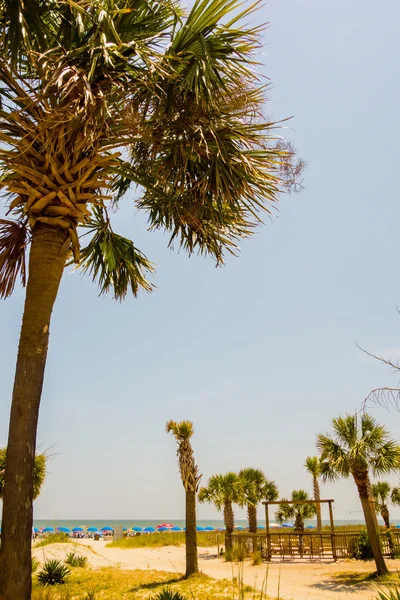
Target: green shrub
[(35, 564), (167, 594), (362, 546), (256, 558), (75, 560), (53, 573), (240, 553)]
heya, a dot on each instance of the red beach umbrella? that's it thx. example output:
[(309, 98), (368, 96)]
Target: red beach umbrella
[(168, 525)]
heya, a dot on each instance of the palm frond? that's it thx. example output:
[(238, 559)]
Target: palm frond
[(39, 472), (113, 261), (395, 496), (13, 241)]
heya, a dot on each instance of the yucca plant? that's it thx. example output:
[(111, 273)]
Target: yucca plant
[(167, 594), (95, 96), (53, 572), (360, 445), (190, 476), (75, 560)]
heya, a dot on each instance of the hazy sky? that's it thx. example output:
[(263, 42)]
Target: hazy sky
[(261, 353)]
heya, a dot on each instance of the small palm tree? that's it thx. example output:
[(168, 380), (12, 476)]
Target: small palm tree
[(298, 512), (39, 472), (256, 487), (223, 491), (312, 465), (360, 445), (383, 493), (190, 476)]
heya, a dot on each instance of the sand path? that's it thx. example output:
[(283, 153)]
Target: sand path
[(295, 581)]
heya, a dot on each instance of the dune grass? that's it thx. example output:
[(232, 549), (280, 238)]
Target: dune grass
[(54, 538), (205, 539), (118, 584)]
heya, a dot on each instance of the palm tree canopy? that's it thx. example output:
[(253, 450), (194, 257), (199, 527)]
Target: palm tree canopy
[(381, 494), (39, 472), (313, 466), (395, 496), (95, 97), (289, 511), (357, 445), (222, 489), (183, 431), (257, 487)]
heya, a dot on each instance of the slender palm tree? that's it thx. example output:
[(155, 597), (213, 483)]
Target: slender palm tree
[(39, 472), (223, 491), (360, 445), (183, 432), (298, 512), (313, 467), (256, 487), (94, 97), (383, 493)]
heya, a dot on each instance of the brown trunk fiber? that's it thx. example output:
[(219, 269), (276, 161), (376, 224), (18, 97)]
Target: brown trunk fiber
[(252, 517), (385, 515), (191, 534), (229, 521), (368, 505), (46, 267), (317, 496)]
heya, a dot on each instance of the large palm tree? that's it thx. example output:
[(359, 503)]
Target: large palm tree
[(312, 465), (360, 445), (183, 431), (223, 491), (96, 96), (298, 512), (383, 493), (256, 487), (39, 472)]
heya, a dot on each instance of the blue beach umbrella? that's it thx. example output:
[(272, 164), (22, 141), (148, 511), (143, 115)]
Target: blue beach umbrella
[(78, 529), (260, 527), (48, 530), (397, 526), (287, 525), (163, 529), (149, 529), (310, 527), (137, 529), (64, 529), (176, 528), (107, 528), (209, 528), (92, 529), (198, 528), (239, 528), (221, 528)]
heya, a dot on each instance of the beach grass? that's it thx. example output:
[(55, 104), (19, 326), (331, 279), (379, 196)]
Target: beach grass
[(54, 538), (117, 584), (205, 539)]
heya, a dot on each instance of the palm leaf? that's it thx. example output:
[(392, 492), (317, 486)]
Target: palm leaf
[(13, 241)]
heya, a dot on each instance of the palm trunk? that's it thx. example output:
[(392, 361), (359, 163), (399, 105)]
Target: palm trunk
[(299, 528), (252, 517), (46, 265), (385, 515), (229, 521), (368, 505), (191, 534), (317, 496)]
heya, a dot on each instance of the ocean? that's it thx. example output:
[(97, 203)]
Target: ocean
[(128, 523)]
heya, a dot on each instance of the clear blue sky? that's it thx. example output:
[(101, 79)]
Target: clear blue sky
[(259, 354)]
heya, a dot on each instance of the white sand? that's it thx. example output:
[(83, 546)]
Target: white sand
[(297, 581)]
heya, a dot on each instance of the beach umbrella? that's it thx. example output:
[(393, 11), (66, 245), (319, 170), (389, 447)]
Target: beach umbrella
[(92, 529), (162, 528), (35, 529), (106, 528), (48, 530), (166, 525), (261, 527), (221, 528), (137, 529), (64, 529), (273, 526), (124, 529), (78, 529), (209, 528), (198, 528), (310, 527), (287, 525), (176, 528), (239, 528), (149, 529)]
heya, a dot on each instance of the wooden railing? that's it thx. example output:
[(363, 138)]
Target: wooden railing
[(285, 545)]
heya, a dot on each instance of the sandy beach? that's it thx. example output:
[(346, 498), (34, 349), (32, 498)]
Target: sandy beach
[(296, 581)]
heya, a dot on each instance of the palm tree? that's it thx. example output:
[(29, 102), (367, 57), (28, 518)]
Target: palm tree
[(39, 472), (223, 491), (298, 512), (313, 467), (94, 97), (190, 476), (360, 445), (382, 493), (256, 487)]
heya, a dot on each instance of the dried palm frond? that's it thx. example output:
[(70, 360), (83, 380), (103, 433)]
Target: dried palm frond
[(13, 240)]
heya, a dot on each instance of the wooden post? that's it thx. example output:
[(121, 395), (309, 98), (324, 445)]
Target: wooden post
[(217, 544), (333, 541), (268, 547)]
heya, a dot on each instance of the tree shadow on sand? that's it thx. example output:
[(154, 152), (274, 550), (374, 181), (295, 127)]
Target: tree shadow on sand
[(156, 584), (347, 582)]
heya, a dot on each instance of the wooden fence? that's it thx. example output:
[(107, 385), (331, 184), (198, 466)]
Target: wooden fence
[(282, 545)]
